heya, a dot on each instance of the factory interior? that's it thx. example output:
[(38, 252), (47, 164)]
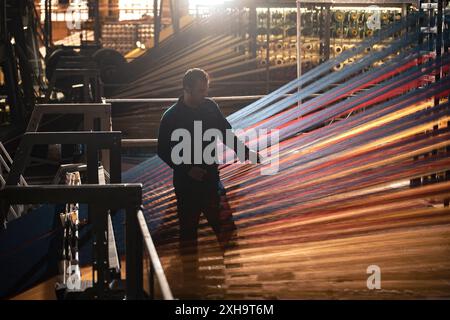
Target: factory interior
[(353, 94)]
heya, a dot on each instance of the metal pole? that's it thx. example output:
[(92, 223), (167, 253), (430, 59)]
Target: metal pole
[(299, 29), (134, 246), (50, 27), (299, 52), (252, 29), (156, 24), (268, 51), (97, 25), (46, 30)]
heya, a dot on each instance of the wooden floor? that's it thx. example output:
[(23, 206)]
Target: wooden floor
[(46, 289), (414, 263), (42, 291), (412, 251)]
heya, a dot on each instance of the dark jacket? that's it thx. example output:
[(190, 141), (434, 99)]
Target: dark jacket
[(182, 116)]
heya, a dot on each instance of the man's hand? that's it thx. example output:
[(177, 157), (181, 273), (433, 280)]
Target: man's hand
[(197, 173)]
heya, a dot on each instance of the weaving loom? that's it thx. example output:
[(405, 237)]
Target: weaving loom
[(211, 44), (342, 199)]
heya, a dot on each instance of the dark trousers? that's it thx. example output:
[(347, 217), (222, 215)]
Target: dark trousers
[(193, 198)]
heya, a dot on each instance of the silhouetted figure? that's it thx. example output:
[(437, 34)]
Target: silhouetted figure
[(197, 186)]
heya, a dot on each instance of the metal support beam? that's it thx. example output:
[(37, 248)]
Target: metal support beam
[(175, 15), (157, 12), (98, 215), (117, 196), (326, 16), (134, 268), (252, 30), (100, 198), (94, 141), (90, 111)]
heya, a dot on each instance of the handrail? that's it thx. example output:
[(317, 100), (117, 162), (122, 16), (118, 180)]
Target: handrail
[(94, 142), (6, 162), (136, 143), (101, 198), (154, 259), (117, 195), (90, 112), (228, 98)]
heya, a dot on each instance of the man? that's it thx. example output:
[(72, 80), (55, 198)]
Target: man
[(197, 186)]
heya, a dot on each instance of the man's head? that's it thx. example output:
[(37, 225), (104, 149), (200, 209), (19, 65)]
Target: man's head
[(195, 86)]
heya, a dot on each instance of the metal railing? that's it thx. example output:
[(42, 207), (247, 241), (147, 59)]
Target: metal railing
[(162, 100), (137, 143), (90, 112), (155, 264), (101, 199), (6, 163)]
